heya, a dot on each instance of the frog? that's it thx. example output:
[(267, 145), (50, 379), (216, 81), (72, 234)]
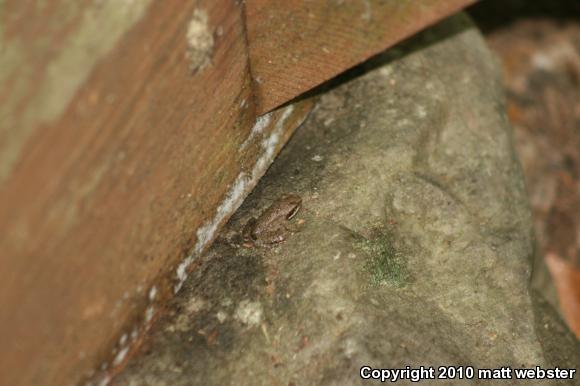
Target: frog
[(271, 227)]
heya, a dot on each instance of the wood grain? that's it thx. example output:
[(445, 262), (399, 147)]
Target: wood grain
[(296, 45), (104, 199)]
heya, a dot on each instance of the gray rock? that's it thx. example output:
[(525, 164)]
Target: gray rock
[(414, 244)]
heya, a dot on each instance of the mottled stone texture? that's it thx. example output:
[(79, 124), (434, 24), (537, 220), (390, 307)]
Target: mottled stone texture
[(414, 245)]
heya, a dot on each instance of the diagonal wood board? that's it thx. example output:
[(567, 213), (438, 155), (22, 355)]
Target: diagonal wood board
[(296, 45)]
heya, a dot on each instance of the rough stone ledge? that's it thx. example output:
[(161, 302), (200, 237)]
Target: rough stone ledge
[(414, 244)]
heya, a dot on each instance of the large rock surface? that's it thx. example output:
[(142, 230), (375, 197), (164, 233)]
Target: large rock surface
[(414, 244)]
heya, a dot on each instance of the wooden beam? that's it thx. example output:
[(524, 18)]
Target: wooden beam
[(296, 45), (112, 193)]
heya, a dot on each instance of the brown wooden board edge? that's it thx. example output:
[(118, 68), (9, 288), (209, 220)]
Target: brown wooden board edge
[(268, 135), (295, 57)]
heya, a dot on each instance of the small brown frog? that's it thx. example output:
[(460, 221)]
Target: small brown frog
[(271, 227)]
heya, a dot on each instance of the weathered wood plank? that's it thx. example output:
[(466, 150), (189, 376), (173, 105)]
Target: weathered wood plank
[(105, 192), (296, 45)]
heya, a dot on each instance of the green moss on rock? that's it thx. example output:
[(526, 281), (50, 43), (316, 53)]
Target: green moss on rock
[(386, 265)]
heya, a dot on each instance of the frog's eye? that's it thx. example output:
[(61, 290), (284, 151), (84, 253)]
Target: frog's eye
[(292, 212)]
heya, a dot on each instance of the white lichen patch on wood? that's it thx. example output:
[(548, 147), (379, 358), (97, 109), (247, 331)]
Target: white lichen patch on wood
[(368, 12), (149, 313), (200, 41), (127, 341), (261, 123), (104, 381), (152, 293), (120, 357), (237, 191)]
